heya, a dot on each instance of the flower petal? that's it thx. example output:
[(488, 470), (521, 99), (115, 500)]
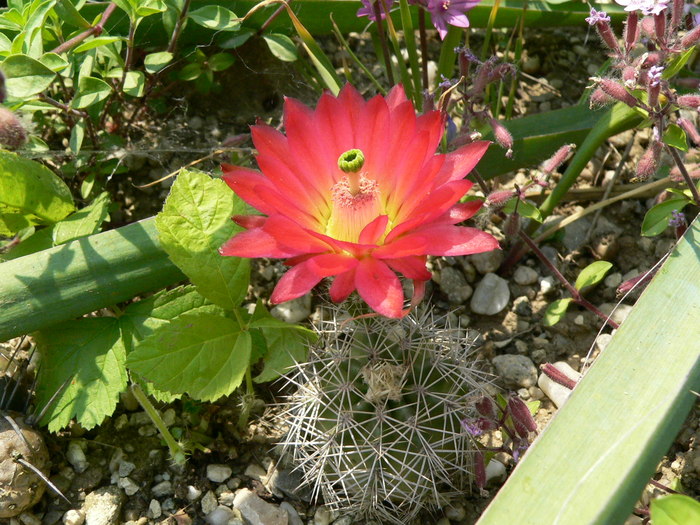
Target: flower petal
[(412, 267), (438, 239), (379, 287), (254, 243), (304, 276), (290, 235), (460, 162), (463, 211), (343, 285), (371, 233), (250, 221)]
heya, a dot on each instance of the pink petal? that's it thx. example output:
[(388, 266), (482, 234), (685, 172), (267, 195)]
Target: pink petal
[(343, 285), (396, 96), (459, 163), (250, 221), (379, 287), (294, 238), (371, 233), (438, 239), (463, 211), (410, 267), (304, 276), (254, 243)]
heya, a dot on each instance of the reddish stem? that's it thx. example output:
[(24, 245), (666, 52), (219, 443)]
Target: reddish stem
[(95, 30)]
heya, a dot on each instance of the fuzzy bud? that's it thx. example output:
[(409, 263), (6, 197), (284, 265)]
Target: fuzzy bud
[(649, 162), (487, 408), (522, 417), (556, 375), (691, 38), (647, 26), (629, 76), (12, 134), (503, 136), (653, 92), (689, 101), (677, 14), (660, 26), (651, 59), (512, 225), (631, 30), (498, 199), (606, 34), (617, 91), (481, 78), (690, 130), (640, 280), (556, 160), (599, 99)]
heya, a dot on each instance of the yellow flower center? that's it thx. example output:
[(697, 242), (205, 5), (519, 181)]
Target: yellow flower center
[(355, 204)]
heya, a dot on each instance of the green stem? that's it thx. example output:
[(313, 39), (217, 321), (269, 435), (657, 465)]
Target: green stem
[(357, 61), (409, 36), (382, 41), (177, 453)]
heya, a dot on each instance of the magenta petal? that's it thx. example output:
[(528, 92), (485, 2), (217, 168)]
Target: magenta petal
[(305, 275), (463, 211), (459, 163), (250, 221), (343, 285), (254, 243), (371, 233), (411, 267), (379, 287)]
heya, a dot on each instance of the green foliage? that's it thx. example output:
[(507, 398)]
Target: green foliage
[(657, 218), (556, 310), (282, 47), (674, 136), (592, 274), (215, 17), (675, 509)]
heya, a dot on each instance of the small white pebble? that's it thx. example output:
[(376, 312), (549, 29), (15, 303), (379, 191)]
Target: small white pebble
[(255, 471), (74, 517), (154, 510), (209, 502), (76, 457), (130, 488), (218, 473), (162, 489), (193, 493), (495, 470)]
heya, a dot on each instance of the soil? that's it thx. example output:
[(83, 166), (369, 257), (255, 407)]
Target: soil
[(125, 462)]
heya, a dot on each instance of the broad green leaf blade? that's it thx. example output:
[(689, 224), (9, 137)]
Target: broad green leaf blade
[(656, 219), (592, 274), (91, 90), (25, 76), (556, 311), (82, 276), (29, 189), (282, 47), (525, 209), (154, 62), (215, 17), (83, 222), (221, 61), (54, 62), (675, 137), (92, 43), (633, 400), (194, 223), (88, 355), (134, 83), (675, 509), (203, 355)]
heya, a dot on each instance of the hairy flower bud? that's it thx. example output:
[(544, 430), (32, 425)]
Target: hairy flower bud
[(556, 160), (677, 14), (660, 26), (12, 134), (599, 99), (522, 418), (690, 130), (556, 375), (647, 26), (649, 162), (487, 407), (631, 30), (617, 91), (689, 101), (629, 76), (606, 34), (503, 136), (640, 280), (691, 38)]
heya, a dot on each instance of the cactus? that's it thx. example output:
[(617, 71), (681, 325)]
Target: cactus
[(375, 419)]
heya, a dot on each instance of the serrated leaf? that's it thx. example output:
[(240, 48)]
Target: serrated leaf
[(556, 311), (194, 223), (215, 17), (675, 136), (282, 47), (154, 62), (203, 355), (286, 344), (134, 83), (675, 509), (25, 76), (592, 274), (83, 222), (91, 90), (656, 219), (31, 190), (87, 354), (97, 42), (524, 208)]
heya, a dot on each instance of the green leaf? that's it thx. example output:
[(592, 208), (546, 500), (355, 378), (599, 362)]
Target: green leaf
[(83, 222), (91, 90), (77, 134), (69, 14), (525, 209), (220, 61), (89, 357), (128, 6), (25, 76), (215, 17), (154, 62), (556, 311), (149, 7), (675, 136), (227, 41), (676, 64), (656, 219), (87, 185), (286, 344), (194, 223), (32, 190), (282, 47), (190, 72), (54, 62), (134, 83), (203, 355), (675, 509), (97, 42), (592, 274), (5, 44)]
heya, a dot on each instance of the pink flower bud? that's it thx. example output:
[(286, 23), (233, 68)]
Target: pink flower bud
[(631, 30), (660, 26), (503, 136), (617, 91), (599, 99), (607, 35), (693, 171), (649, 162), (677, 14), (652, 59), (689, 101), (481, 78), (512, 225), (556, 160), (653, 91), (522, 418), (479, 469), (12, 134), (629, 76), (690, 130), (640, 280), (498, 199), (487, 407), (556, 375), (691, 38), (647, 26)]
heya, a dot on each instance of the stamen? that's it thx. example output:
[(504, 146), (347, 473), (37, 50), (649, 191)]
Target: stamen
[(352, 211)]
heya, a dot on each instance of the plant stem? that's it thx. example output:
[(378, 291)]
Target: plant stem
[(423, 48), (95, 30), (575, 294), (382, 40), (176, 451), (686, 176), (172, 45)]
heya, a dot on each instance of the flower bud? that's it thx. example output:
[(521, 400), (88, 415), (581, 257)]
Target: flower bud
[(647, 26), (556, 375), (677, 14), (512, 225), (12, 134), (498, 199), (487, 407), (660, 26), (606, 34), (522, 418), (689, 101), (629, 76), (690, 130), (503, 136), (599, 99), (617, 91), (556, 160), (640, 280), (691, 38), (631, 30), (649, 162)]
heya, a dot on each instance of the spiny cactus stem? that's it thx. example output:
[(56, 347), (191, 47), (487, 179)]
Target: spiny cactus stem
[(177, 453)]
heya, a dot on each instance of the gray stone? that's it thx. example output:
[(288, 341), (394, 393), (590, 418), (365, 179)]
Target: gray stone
[(602, 341), (209, 503), (102, 506), (524, 275), (220, 516), (522, 306), (495, 470), (323, 516), (154, 510), (288, 483), (258, 512), (218, 473), (292, 514), (127, 484), (455, 285), (162, 489), (255, 472), (487, 262), (125, 468), (76, 457), (293, 311), (558, 393), (613, 280), (193, 493), (491, 295), (617, 312), (516, 370), (455, 512), (73, 517)]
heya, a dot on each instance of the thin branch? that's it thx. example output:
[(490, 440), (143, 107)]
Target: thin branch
[(95, 30)]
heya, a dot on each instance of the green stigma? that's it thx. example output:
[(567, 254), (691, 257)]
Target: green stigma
[(351, 161)]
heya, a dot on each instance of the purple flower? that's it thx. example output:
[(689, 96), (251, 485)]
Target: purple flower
[(450, 12), (597, 16), (368, 8), (677, 220), (654, 75), (647, 7)]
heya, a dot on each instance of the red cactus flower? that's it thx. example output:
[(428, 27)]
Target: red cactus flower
[(355, 190)]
